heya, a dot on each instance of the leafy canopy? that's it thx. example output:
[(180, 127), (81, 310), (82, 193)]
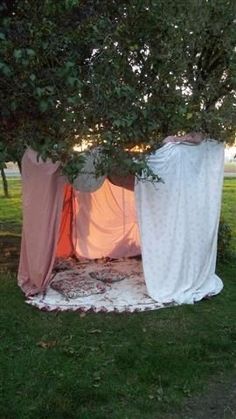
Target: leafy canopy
[(117, 74)]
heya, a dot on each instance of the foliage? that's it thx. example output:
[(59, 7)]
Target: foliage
[(118, 74), (224, 241), (3, 156)]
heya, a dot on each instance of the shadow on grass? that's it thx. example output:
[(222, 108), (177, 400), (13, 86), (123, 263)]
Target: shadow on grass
[(9, 252)]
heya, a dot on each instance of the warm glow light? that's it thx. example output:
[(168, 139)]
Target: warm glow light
[(139, 148), (85, 144)]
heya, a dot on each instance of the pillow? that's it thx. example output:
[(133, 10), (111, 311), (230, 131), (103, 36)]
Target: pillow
[(73, 284)]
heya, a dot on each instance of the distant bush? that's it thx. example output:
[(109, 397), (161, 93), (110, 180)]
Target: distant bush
[(224, 241)]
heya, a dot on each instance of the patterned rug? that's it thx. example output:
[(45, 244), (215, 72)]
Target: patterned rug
[(98, 286)]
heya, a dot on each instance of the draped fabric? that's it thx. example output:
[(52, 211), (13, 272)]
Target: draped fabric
[(61, 222), (105, 223), (43, 188), (65, 247), (126, 182), (192, 137), (178, 221)]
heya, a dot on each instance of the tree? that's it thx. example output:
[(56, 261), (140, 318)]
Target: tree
[(118, 74), (3, 159)]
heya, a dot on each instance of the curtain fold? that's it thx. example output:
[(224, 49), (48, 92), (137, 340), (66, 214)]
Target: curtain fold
[(178, 220), (42, 189), (65, 246)]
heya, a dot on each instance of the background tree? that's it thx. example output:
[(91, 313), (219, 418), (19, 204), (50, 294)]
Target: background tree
[(3, 159), (118, 74)]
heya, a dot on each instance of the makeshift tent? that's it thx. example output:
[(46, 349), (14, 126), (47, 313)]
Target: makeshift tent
[(176, 222)]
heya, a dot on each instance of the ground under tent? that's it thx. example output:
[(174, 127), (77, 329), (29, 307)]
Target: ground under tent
[(80, 250)]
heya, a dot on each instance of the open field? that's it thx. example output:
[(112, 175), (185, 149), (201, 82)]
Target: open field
[(230, 167)]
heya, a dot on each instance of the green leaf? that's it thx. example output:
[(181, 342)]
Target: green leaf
[(43, 105), (49, 90), (30, 52), (72, 81), (13, 105), (71, 3), (72, 100), (17, 54), (5, 69), (39, 91), (69, 64)]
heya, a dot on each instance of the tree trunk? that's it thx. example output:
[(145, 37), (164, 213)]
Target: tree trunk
[(19, 165), (5, 184)]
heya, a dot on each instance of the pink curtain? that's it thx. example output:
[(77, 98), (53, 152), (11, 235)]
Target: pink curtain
[(60, 222), (43, 188), (105, 223)]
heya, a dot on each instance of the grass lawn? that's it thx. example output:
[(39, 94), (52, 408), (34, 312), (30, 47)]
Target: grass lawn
[(103, 366), (10, 209), (229, 207)]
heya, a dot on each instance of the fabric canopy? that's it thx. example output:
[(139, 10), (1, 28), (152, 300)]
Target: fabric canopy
[(176, 221)]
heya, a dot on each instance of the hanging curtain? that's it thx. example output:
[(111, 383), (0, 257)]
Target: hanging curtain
[(43, 188)]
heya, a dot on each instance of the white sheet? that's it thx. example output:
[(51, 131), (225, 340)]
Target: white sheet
[(178, 221)]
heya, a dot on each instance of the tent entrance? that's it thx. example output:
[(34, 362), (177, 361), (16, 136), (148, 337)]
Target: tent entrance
[(99, 224)]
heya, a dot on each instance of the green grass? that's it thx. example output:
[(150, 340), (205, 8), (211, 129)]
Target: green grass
[(110, 366), (10, 209), (229, 207)]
